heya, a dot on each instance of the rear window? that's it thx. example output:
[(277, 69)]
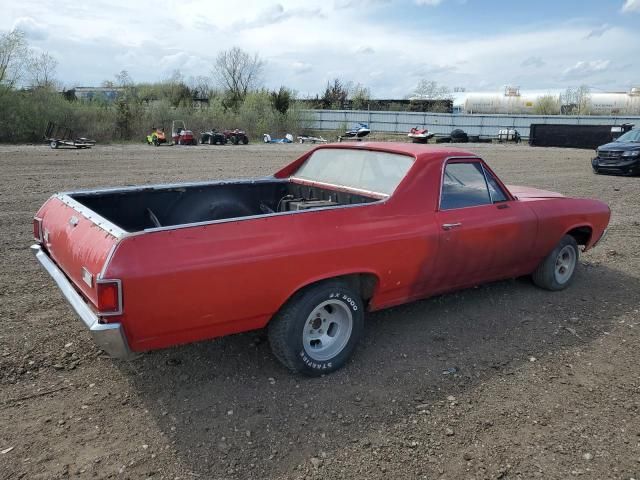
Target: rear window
[(378, 172)]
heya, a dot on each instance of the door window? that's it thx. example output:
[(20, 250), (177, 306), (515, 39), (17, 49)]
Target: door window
[(497, 194), (464, 185)]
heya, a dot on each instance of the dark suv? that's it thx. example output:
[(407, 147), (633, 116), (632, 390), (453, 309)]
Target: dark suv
[(622, 156)]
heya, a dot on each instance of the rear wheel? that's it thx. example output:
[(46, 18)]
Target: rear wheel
[(558, 268), (245, 140), (318, 329), (53, 144)]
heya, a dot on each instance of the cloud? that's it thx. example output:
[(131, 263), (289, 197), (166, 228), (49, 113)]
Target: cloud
[(364, 50), (537, 62), (431, 70), (599, 31), (301, 67), (181, 61), (631, 6), (429, 3), (32, 29), (343, 4), (584, 68), (303, 52), (276, 13)]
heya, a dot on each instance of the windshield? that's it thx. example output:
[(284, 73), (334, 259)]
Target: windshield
[(631, 136), (377, 172)]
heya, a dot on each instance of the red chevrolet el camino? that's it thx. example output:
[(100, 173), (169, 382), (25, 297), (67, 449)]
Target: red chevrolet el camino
[(342, 230)]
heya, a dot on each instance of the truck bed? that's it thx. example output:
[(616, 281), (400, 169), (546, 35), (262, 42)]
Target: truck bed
[(143, 208)]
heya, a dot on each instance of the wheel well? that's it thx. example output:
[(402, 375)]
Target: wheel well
[(581, 234), (363, 283)]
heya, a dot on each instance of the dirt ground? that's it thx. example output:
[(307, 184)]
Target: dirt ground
[(501, 381)]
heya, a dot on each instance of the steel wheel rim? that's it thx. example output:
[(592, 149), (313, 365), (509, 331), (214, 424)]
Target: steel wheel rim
[(327, 330), (565, 264)]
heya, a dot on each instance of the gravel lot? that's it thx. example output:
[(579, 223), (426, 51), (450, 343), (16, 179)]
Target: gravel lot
[(501, 381)]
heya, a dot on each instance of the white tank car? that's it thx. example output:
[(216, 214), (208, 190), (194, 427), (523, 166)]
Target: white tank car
[(615, 103), (512, 102), (505, 104)]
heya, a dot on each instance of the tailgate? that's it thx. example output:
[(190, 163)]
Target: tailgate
[(75, 242)]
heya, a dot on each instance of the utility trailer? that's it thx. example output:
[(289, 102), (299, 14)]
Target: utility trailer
[(57, 136)]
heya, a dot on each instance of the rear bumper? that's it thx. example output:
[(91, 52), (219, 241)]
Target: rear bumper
[(109, 336)]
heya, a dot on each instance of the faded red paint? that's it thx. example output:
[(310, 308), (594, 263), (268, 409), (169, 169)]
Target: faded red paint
[(207, 281)]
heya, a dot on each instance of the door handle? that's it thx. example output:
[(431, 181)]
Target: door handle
[(449, 226)]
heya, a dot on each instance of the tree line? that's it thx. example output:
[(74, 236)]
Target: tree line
[(232, 97)]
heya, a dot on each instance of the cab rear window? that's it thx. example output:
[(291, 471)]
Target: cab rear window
[(366, 170)]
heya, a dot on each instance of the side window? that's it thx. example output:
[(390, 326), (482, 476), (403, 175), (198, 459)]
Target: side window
[(497, 194), (463, 185)]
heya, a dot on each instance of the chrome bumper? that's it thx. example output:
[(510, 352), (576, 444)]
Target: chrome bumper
[(109, 336)]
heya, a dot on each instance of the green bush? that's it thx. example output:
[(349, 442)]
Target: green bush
[(24, 115)]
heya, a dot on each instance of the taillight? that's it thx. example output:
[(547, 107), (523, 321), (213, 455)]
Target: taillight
[(109, 297), (37, 229)]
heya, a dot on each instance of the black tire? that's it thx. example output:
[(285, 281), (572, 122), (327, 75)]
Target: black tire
[(245, 140), (53, 144), (548, 275), (288, 326), (211, 141), (234, 140)]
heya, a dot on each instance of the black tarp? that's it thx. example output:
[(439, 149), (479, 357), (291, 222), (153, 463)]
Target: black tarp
[(570, 136)]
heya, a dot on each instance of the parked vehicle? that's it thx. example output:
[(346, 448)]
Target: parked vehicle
[(213, 137), (180, 135), (357, 132), (58, 136), (266, 138), (236, 136), (420, 135), (311, 139), (342, 230), (622, 156), (157, 137), (509, 135)]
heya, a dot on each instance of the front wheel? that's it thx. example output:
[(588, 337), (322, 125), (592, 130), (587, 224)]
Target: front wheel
[(53, 144), (558, 268), (318, 329)]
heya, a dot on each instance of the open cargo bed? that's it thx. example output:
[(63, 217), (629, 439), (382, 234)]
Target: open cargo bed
[(141, 208)]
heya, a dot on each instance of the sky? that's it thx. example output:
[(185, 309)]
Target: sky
[(385, 45)]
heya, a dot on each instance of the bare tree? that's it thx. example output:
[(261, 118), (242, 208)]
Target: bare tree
[(123, 79), (575, 100), (42, 70), (200, 86), (430, 90), (237, 72), (14, 57)]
